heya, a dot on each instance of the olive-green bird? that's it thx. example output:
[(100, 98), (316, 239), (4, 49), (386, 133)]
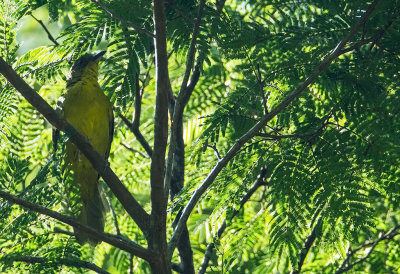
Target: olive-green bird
[(88, 110)]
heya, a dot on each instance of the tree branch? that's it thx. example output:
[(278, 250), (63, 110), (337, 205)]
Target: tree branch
[(179, 103), (176, 154), (51, 38), (123, 244), (260, 181), (192, 48), (113, 214), (134, 209), (144, 155), (139, 136), (138, 105), (345, 266), (308, 135), (158, 241), (186, 89), (259, 125), (58, 261), (307, 246), (374, 40), (122, 20)]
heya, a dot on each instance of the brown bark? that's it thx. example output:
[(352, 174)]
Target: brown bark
[(157, 240)]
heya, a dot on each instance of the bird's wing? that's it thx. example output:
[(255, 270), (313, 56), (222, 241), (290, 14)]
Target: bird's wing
[(111, 131)]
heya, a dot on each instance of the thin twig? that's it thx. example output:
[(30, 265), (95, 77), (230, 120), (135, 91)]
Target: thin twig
[(374, 40), (117, 231), (214, 147), (309, 135), (259, 125), (138, 104), (51, 38), (192, 48), (139, 136), (135, 150), (122, 20)]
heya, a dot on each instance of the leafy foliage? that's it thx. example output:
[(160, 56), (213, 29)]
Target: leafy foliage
[(332, 156)]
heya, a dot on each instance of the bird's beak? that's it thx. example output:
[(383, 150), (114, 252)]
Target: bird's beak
[(98, 56)]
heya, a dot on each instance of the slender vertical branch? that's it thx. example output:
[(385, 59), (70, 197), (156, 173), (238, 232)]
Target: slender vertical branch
[(186, 88), (175, 161), (179, 103), (192, 48), (260, 124), (158, 241)]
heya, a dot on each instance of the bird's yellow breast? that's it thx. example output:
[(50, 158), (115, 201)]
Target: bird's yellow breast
[(87, 109)]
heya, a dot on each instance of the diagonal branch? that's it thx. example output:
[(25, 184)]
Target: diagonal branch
[(58, 261), (260, 181), (307, 246), (51, 38), (373, 40), (130, 246), (134, 209), (264, 120), (122, 20), (139, 136), (345, 266)]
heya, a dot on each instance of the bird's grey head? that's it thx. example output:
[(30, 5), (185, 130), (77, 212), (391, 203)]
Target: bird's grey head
[(86, 64)]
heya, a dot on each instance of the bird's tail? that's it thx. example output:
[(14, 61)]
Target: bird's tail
[(92, 213)]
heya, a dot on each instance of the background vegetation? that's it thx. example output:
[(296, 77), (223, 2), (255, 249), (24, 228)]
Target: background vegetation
[(314, 189)]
